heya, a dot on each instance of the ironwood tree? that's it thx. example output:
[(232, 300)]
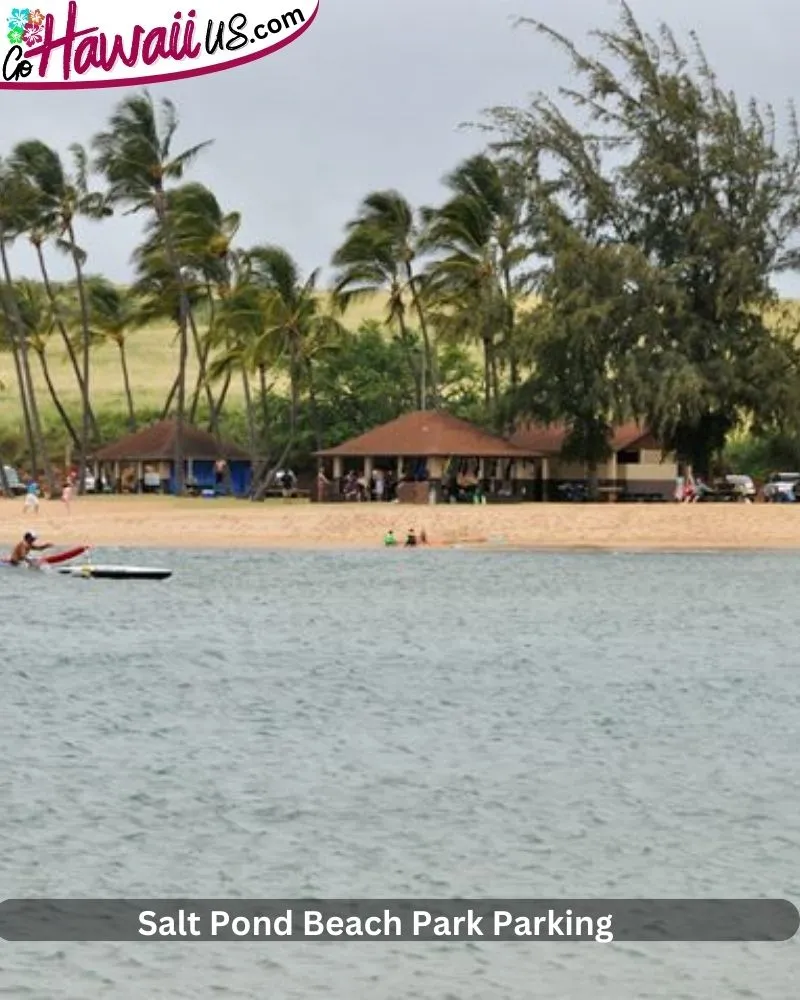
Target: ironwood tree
[(648, 152)]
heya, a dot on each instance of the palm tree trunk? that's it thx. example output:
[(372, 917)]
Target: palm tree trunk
[(260, 487), (202, 351), (63, 331), (216, 412), (251, 423), (26, 380), (406, 340), (429, 361), (21, 388), (312, 405), (162, 215), (203, 360), (294, 389), (123, 360), (26, 409), (263, 391), (495, 377), (170, 397), (180, 418), (511, 327), (76, 441), (6, 298), (487, 372), (85, 351), (36, 422)]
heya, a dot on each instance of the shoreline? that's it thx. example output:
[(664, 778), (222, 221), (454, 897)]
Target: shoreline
[(168, 523)]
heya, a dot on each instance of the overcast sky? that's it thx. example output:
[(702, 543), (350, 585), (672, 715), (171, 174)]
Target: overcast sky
[(372, 96)]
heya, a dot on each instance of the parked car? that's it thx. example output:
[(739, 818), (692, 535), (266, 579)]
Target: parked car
[(781, 486), (92, 485), (744, 484), (15, 484)]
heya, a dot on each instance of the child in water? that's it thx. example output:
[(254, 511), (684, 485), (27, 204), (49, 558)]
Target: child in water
[(389, 539)]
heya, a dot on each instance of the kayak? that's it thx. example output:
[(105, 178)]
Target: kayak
[(60, 557), (116, 572), (55, 559)]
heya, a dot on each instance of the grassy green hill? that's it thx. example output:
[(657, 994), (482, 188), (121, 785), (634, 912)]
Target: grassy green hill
[(152, 362), (153, 358)]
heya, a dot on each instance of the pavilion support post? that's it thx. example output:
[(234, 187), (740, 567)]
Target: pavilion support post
[(338, 467), (369, 465), (139, 477), (117, 477), (545, 478), (613, 472)]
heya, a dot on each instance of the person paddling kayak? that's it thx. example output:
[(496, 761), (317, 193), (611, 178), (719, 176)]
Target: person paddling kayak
[(23, 549)]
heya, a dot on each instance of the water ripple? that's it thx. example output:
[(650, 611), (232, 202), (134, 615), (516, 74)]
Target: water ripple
[(441, 724)]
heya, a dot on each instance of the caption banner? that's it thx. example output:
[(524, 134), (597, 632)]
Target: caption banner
[(602, 921)]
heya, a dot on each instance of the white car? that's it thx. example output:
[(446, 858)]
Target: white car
[(781, 486), (745, 483)]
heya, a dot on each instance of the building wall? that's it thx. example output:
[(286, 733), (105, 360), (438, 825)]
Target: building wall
[(650, 471)]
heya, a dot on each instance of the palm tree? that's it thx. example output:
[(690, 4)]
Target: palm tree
[(59, 200), (294, 317), (37, 314), (135, 156), (14, 205), (239, 340), (38, 235), (113, 314), (378, 254), (202, 236), (476, 278)]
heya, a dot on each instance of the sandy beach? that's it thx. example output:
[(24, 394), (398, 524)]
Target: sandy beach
[(165, 522)]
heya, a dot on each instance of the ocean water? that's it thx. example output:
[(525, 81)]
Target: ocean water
[(403, 724)]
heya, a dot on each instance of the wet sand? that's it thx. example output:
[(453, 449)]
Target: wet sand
[(164, 522)]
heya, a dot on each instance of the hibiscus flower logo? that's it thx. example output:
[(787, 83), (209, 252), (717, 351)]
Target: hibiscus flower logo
[(32, 35), (18, 19), (25, 26), (16, 25)]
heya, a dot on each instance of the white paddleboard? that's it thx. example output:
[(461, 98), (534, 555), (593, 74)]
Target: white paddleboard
[(90, 572)]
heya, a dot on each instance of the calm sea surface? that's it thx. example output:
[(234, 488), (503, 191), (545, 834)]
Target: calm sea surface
[(403, 725)]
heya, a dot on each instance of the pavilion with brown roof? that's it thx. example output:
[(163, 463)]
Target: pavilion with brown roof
[(427, 447), (149, 454), (637, 464)]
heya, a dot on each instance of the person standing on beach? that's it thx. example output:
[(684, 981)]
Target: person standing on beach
[(31, 497), (67, 493), (220, 468), (322, 485)]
